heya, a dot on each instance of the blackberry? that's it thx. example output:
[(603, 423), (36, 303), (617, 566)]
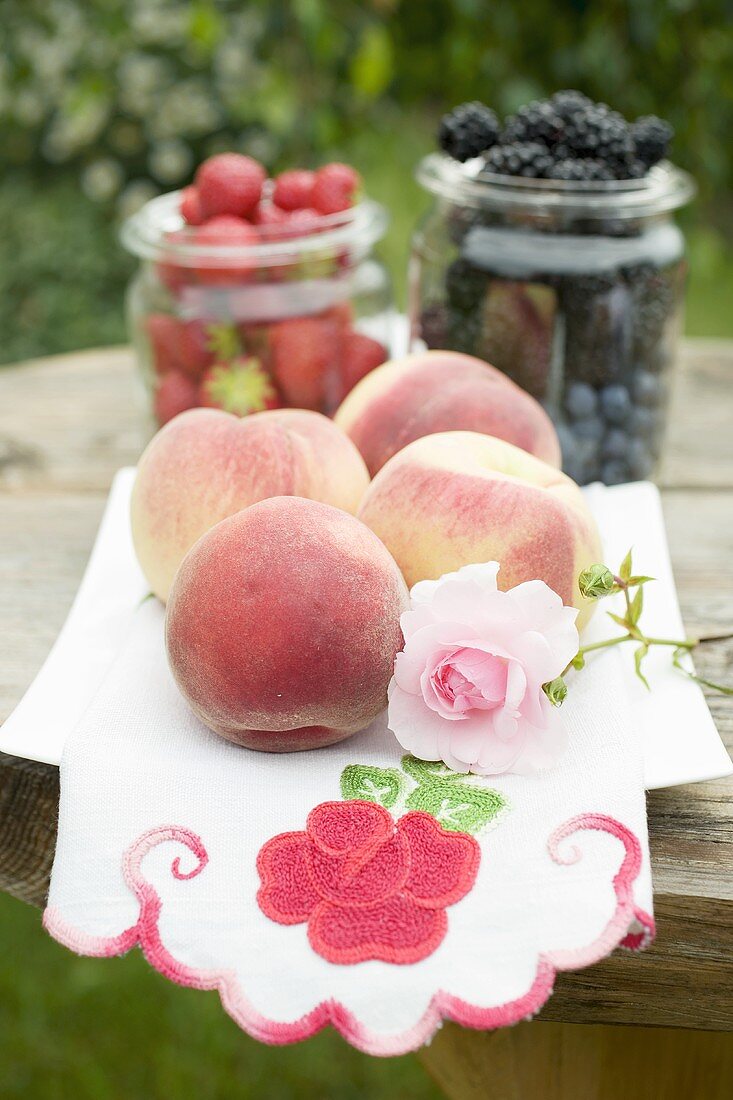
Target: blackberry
[(602, 134), (598, 328), (535, 122), (582, 170), (631, 169), (465, 286), (651, 136), (468, 131), (464, 331), (569, 103), (653, 304), (523, 158)]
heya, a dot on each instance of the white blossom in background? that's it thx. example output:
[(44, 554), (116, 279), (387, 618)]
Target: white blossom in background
[(170, 161), (102, 179)]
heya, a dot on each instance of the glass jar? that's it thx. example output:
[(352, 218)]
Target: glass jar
[(574, 290), (294, 319)]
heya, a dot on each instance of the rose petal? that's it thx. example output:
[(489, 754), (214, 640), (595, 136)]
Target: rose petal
[(443, 865), (395, 931), (336, 879), (415, 619), (339, 828), (540, 662), (497, 756), (543, 745), (464, 743), (483, 574), (286, 895), (415, 726), (425, 648), (545, 613)]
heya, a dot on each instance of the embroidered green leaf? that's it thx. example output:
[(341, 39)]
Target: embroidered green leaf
[(459, 807), (428, 770), (382, 785)]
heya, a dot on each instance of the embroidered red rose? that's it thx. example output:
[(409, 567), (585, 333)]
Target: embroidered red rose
[(367, 886)]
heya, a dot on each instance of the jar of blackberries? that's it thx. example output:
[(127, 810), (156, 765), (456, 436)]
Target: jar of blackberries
[(289, 311), (573, 287)]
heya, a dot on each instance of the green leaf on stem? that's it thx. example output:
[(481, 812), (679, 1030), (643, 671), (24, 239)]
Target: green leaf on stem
[(625, 568), (637, 605), (617, 619), (677, 656), (639, 656), (634, 582)]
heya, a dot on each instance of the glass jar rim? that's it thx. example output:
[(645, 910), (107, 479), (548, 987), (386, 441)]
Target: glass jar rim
[(664, 188), (147, 234)]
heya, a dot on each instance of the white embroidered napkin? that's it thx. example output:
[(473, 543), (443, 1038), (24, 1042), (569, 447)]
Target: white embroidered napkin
[(678, 736), (350, 885)]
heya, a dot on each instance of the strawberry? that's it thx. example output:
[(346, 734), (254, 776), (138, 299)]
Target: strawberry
[(239, 387), (194, 350), (179, 345), (226, 231), (174, 394), (305, 354), (255, 340), (334, 188), (299, 223), (163, 334), (229, 183), (293, 190), (268, 219), (191, 206), (359, 355)]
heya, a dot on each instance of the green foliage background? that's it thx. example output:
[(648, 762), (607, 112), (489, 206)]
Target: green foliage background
[(105, 102)]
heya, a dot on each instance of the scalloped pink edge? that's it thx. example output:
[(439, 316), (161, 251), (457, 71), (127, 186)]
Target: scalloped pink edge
[(628, 927)]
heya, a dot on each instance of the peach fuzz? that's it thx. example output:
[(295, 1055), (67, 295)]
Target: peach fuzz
[(206, 464), (441, 391), (456, 498), (283, 624)]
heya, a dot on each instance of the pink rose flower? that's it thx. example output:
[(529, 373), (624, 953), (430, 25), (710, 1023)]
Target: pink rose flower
[(467, 687)]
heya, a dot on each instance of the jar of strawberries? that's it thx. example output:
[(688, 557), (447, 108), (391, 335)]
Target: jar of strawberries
[(254, 294)]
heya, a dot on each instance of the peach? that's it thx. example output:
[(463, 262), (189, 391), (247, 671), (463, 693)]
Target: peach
[(283, 624), (206, 464), (456, 498), (441, 391)]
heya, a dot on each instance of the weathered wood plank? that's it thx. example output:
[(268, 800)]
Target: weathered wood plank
[(69, 422), (29, 804), (698, 450)]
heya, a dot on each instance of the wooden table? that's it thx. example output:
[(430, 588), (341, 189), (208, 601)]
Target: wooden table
[(66, 425)]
